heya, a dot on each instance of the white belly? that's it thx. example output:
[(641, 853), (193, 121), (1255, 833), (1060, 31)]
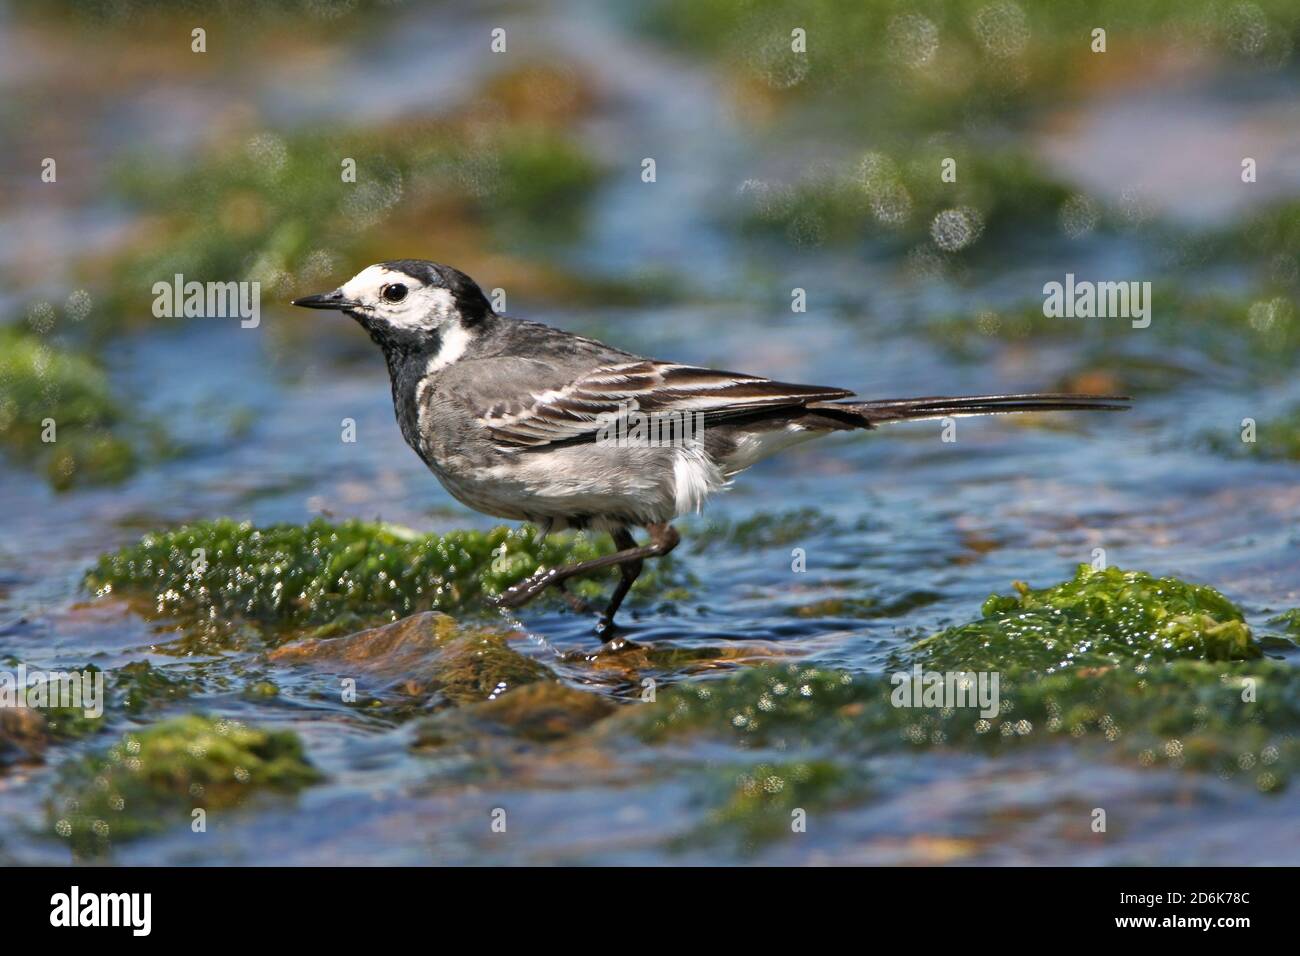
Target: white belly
[(587, 485)]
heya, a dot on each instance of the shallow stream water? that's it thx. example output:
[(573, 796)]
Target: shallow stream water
[(914, 531)]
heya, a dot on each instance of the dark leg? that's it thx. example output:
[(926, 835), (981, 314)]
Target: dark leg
[(663, 538), (627, 575)]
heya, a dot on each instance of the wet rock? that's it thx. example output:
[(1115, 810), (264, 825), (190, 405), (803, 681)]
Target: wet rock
[(632, 664), (157, 776), (23, 736), (427, 660), (142, 686), (541, 712)]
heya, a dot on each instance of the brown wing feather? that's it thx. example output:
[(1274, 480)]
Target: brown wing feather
[(580, 409)]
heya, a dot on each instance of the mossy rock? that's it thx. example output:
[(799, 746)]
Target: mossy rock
[(1155, 670), (223, 577), (155, 776), (1235, 719), (42, 383), (426, 661), (1288, 621), (40, 708), (1100, 618), (141, 685)]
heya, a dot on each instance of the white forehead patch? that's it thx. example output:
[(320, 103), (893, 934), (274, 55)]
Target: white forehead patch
[(425, 307), (365, 285)]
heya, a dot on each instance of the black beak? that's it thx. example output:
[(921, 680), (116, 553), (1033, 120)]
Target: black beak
[(327, 300)]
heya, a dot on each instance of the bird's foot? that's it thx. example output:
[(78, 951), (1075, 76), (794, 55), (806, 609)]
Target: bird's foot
[(607, 630)]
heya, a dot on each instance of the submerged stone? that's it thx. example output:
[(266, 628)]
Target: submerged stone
[(141, 685), (426, 661), (541, 712), (155, 777), (23, 736)]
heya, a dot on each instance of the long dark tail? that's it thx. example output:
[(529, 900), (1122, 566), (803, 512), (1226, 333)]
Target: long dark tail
[(870, 414)]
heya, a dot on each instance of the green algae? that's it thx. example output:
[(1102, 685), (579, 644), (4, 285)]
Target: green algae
[(132, 689), (340, 577), (1160, 671), (1234, 719), (153, 777), (44, 386), (141, 686), (1288, 621), (1099, 618)]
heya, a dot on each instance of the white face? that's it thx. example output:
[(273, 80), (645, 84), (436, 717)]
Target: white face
[(380, 292)]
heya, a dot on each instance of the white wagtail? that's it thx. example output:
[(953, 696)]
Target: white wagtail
[(514, 417)]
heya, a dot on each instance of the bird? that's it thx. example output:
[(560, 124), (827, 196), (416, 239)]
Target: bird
[(526, 422)]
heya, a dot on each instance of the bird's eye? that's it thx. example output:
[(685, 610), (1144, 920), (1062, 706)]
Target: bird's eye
[(395, 292)]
